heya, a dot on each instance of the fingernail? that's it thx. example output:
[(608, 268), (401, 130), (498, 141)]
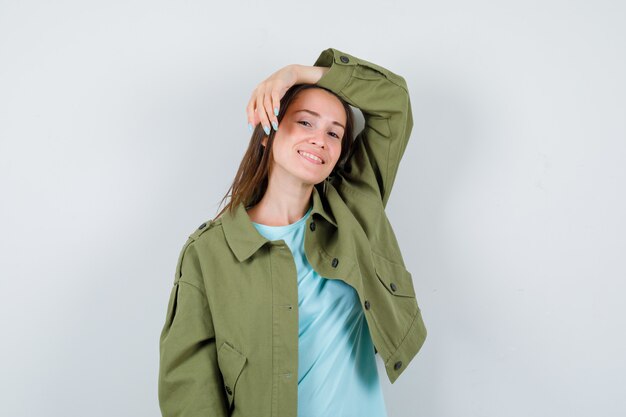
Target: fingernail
[(275, 126), (275, 111), (250, 127), (267, 130)]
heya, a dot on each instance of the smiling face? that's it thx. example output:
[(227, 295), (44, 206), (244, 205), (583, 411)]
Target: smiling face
[(313, 125)]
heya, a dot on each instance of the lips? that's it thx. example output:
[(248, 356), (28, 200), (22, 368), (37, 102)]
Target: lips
[(312, 160)]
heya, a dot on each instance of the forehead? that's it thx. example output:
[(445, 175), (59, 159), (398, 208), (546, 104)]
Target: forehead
[(321, 102)]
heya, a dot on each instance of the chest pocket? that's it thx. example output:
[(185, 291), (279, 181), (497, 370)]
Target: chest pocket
[(394, 277), (231, 363)]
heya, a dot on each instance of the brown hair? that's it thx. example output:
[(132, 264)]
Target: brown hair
[(250, 182)]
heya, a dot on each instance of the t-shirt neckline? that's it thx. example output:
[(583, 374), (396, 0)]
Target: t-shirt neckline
[(287, 226)]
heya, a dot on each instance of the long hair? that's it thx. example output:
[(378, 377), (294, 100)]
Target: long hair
[(251, 180)]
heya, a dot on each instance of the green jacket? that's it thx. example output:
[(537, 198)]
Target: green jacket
[(229, 346)]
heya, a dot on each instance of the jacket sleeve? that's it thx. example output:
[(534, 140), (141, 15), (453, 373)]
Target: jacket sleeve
[(383, 98), (190, 383)]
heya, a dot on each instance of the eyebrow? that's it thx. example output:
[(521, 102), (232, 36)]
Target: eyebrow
[(317, 115)]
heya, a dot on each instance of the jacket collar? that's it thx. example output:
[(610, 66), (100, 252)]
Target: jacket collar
[(244, 239)]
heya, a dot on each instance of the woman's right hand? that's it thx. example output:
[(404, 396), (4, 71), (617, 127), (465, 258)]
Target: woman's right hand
[(264, 103)]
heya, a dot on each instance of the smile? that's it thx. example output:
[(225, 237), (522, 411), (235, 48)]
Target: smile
[(311, 158)]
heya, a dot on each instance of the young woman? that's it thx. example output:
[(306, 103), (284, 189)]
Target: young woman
[(281, 302)]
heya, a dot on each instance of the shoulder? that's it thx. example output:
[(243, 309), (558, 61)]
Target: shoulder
[(194, 249), (207, 234), (208, 237), (206, 229)]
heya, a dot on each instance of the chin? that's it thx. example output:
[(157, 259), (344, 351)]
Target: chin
[(311, 180), (307, 176)]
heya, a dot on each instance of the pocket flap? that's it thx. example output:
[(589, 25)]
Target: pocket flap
[(231, 363), (394, 276)]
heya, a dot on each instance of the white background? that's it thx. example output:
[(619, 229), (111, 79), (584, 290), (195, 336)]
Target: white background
[(122, 124)]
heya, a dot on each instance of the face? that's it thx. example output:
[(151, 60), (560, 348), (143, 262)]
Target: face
[(314, 124)]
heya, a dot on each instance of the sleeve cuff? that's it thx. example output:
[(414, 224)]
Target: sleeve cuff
[(341, 66)]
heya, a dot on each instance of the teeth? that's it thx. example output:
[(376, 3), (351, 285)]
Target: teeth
[(310, 155)]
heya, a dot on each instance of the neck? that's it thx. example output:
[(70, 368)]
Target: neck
[(282, 204)]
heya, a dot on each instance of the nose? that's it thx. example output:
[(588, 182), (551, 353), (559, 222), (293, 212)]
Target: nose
[(319, 138)]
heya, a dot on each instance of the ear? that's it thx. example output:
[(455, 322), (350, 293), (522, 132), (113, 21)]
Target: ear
[(264, 141)]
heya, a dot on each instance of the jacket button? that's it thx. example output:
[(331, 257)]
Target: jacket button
[(367, 304), (202, 226), (312, 226), (393, 287), (344, 59), (335, 262), (397, 365), (228, 390)]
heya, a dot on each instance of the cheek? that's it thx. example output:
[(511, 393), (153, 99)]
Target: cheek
[(282, 149), (337, 151)]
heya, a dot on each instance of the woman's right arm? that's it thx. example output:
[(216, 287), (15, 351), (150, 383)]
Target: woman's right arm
[(190, 382)]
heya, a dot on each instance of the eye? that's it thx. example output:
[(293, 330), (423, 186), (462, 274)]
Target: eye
[(336, 136)]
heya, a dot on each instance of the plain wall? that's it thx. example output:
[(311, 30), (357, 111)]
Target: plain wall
[(122, 124)]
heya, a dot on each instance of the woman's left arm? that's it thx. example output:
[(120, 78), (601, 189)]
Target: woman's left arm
[(383, 98), (381, 95)]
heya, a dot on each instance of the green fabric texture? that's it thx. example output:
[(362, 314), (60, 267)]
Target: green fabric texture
[(229, 345)]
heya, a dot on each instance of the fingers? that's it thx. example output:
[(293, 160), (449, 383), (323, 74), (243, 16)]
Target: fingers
[(250, 112), (269, 108), (260, 112), (263, 107), (276, 103)]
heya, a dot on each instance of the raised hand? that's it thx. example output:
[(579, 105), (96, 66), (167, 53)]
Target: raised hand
[(264, 103)]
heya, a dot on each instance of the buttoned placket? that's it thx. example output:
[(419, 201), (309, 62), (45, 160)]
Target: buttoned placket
[(324, 258), (284, 279), (285, 329)]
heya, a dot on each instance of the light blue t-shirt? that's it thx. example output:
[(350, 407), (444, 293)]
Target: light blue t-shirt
[(337, 374)]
